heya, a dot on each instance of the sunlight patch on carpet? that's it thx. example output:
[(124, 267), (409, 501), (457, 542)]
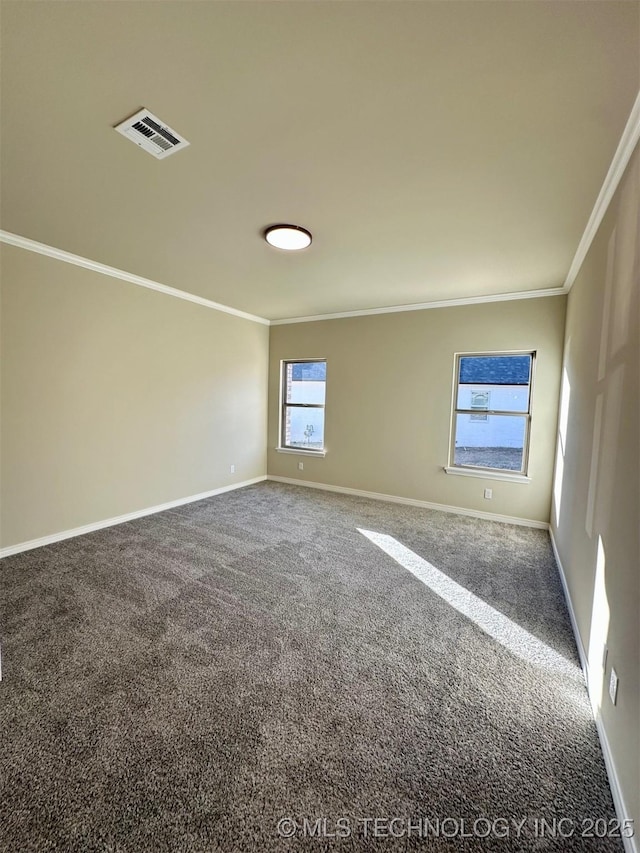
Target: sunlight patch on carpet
[(513, 637)]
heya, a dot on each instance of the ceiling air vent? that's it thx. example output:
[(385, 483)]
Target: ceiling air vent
[(147, 131)]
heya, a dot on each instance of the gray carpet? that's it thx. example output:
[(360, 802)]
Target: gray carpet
[(185, 681)]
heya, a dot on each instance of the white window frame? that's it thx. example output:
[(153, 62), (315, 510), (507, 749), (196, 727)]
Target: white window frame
[(478, 470), (282, 446)]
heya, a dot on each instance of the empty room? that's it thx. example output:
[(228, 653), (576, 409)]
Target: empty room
[(320, 426)]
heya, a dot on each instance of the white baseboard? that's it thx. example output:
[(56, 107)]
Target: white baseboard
[(377, 496), (121, 519), (584, 661), (630, 844)]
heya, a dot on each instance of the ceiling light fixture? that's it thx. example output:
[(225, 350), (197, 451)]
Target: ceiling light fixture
[(291, 238)]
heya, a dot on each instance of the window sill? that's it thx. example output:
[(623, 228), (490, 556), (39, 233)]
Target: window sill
[(300, 452), (487, 475)]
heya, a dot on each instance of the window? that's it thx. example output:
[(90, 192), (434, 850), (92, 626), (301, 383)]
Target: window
[(303, 394), (492, 412)]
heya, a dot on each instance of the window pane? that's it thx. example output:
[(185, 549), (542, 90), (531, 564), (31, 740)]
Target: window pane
[(498, 382), (304, 428), (497, 442), (306, 382)]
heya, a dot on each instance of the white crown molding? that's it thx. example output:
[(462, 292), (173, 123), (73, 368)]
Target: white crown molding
[(103, 269), (121, 519), (396, 499), (630, 844), (423, 306), (625, 149)]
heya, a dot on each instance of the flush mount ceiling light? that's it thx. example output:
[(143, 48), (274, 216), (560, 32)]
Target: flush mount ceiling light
[(291, 238)]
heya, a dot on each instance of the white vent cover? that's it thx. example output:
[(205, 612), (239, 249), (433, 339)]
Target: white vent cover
[(147, 131)]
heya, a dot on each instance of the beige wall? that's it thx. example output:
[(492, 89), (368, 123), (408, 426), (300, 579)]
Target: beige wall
[(389, 390), (116, 398), (596, 514)]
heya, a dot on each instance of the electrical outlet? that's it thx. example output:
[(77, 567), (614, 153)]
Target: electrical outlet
[(488, 493), (613, 686), (233, 469), (300, 466)]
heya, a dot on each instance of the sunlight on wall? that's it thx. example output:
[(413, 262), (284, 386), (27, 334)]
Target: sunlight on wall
[(558, 477), (593, 471), (563, 422), (599, 631), (565, 399), (491, 621)]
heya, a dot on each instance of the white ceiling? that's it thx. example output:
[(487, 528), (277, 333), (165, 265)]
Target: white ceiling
[(436, 150)]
